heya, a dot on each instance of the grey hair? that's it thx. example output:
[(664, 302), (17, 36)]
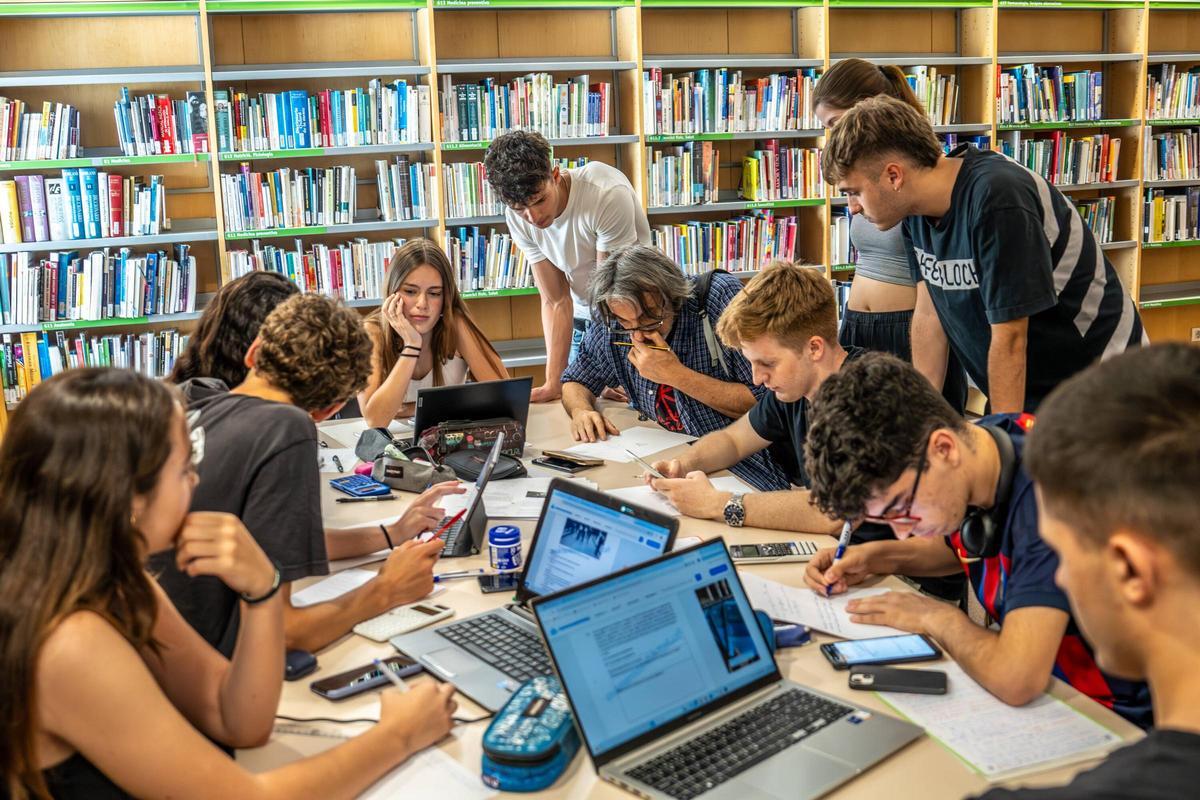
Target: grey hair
[(632, 271)]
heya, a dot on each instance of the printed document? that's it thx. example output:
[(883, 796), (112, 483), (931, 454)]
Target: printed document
[(642, 441)]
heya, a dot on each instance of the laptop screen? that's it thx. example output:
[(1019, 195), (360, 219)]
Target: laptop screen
[(640, 650), (579, 540)]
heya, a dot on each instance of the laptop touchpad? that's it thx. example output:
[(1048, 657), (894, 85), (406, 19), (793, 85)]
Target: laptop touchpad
[(450, 661)]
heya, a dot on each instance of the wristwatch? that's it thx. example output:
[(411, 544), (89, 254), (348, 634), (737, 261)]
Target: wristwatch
[(735, 511)]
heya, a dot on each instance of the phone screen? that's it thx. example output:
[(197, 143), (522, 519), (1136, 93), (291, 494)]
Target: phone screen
[(506, 582), (559, 464), (888, 648)]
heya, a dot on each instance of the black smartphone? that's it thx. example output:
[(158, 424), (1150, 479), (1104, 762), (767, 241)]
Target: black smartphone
[(891, 679), (357, 681), (560, 464), (504, 582), (904, 649)]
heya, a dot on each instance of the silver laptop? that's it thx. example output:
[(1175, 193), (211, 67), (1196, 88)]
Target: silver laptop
[(677, 694), (581, 534)]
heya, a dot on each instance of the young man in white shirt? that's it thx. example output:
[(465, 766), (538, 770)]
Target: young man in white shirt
[(565, 221)]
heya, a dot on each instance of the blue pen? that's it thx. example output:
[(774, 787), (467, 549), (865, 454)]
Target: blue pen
[(843, 542), (463, 573)]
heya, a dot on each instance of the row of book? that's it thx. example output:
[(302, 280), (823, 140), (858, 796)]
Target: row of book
[(486, 261), (381, 113), (952, 140), (469, 194), (152, 125), (740, 244), (1063, 159), (840, 249), (99, 285), (773, 172), (27, 359), (1171, 215), (407, 190), (1099, 214), (354, 270), (288, 198), (683, 175), (688, 174), (1173, 93), (1171, 156), (723, 101), (27, 135), (84, 203), (482, 111), (937, 92), (1029, 93)]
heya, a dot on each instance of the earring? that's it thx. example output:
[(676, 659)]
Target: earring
[(132, 520)]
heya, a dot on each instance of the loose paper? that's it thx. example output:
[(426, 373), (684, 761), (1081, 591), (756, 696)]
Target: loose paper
[(641, 440), (998, 740), (335, 585), (430, 773), (646, 497), (344, 454), (806, 607), (346, 432), (521, 498)]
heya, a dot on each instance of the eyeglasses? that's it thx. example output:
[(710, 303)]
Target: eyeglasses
[(903, 516), (617, 326)]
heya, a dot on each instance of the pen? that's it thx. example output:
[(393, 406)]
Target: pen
[(381, 499), (645, 464), (651, 346), (337, 462), (438, 533), (462, 573), (843, 541), (387, 673)]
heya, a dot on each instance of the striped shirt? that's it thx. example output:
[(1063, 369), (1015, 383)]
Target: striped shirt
[(1012, 246)]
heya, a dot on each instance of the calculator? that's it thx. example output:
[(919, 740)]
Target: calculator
[(402, 620), (360, 486), (773, 552)]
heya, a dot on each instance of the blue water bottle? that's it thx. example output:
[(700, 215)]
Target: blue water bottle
[(504, 548)]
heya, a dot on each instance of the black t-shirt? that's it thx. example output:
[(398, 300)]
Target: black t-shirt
[(785, 425), (258, 461), (1163, 766), (1012, 246)]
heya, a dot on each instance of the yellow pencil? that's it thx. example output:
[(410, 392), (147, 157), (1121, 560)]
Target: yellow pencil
[(651, 346)]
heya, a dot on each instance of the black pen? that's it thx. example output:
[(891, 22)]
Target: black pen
[(366, 499)]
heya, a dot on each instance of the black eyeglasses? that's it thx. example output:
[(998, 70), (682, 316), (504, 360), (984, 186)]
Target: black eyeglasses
[(617, 326), (903, 516)]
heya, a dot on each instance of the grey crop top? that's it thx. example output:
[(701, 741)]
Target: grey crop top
[(881, 254)]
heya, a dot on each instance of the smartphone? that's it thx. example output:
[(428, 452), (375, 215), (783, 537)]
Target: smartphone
[(504, 582), (891, 679), (560, 464), (357, 681), (904, 649), (646, 464)]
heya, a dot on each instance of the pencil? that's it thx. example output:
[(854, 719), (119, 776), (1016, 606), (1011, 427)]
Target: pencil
[(651, 346)]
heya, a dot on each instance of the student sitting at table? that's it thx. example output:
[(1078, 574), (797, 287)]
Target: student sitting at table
[(652, 335), (423, 335), (884, 446), (256, 449), (1115, 458), (108, 693)]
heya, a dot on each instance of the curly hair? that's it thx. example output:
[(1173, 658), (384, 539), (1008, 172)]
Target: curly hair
[(786, 300), (217, 348), (517, 166), (316, 350), (868, 423)]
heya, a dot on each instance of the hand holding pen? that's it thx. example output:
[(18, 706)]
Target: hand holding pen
[(843, 543)]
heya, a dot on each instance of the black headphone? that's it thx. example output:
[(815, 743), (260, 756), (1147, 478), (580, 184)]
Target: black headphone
[(981, 529)]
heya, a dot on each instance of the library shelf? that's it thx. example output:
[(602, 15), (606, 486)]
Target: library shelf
[(146, 8), (1166, 295), (104, 157), (1174, 5), (738, 204), (922, 59), (182, 230), (1060, 5), (838, 201), (1168, 58), (1012, 59), (486, 294), (317, 69), (187, 73), (963, 127), (1120, 244), (1067, 188), (1164, 245), (362, 302), (1171, 184), (531, 4), (521, 352), (470, 66), (1050, 126), (491, 219), (668, 138), (317, 152), (578, 141), (309, 6), (107, 322), (698, 61), (372, 226)]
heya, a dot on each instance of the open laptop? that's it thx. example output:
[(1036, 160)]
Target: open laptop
[(582, 534), (472, 401), (677, 694), (465, 537)]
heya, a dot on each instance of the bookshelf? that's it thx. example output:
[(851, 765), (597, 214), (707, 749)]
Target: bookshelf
[(265, 46)]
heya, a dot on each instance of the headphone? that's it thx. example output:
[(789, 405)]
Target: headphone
[(981, 528)]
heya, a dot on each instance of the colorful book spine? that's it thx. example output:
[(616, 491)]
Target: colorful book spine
[(1171, 215), (741, 244), (1029, 93), (52, 132), (1066, 160), (407, 190), (1173, 92), (351, 271), (774, 172), (486, 261), (288, 198), (88, 204), (1099, 214), (575, 108), (683, 175), (937, 92), (149, 125), (723, 101), (1171, 156)]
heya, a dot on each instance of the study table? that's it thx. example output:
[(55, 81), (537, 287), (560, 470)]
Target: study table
[(924, 770)]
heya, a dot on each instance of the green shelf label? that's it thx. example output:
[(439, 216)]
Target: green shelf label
[(1174, 5), (483, 145), (1175, 301), (1175, 121), (484, 294), (1049, 126), (59, 9), (249, 155), (312, 230), (1089, 4), (68, 324), (1161, 245), (103, 161), (731, 3), (531, 3), (844, 267), (253, 6), (910, 4), (806, 201), (690, 137)]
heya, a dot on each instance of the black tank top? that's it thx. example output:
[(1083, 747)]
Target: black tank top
[(78, 778)]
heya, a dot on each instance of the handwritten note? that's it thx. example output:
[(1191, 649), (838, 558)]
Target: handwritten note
[(806, 607)]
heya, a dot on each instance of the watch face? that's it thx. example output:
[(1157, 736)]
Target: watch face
[(735, 512)]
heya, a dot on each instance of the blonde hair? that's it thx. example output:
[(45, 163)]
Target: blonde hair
[(874, 128), (786, 300)]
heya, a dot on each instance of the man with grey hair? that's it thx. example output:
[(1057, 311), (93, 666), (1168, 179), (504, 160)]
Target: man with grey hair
[(652, 334)]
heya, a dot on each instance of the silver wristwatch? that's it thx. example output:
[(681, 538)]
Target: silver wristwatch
[(735, 511)]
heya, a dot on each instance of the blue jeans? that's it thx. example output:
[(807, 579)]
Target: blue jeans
[(577, 334)]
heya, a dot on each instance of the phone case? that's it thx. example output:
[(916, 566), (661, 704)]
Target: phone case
[(583, 461), (570, 470), (891, 679)]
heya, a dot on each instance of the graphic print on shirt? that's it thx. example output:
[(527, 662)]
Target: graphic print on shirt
[(952, 275)]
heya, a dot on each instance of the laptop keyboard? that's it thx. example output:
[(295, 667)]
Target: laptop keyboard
[(700, 764), (509, 648)]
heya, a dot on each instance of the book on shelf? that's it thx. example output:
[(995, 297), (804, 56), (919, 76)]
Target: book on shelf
[(1173, 92), (952, 140), (469, 194), (354, 270), (1172, 155), (683, 175), (153, 354), (1029, 94), (407, 189), (1063, 159), (841, 293), (154, 124), (1171, 215), (481, 111), (288, 198), (938, 93), (85, 203), (724, 101), (740, 244), (774, 172), (840, 249), (395, 112), (65, 285), (486, 261), (1099, 214), (49, 133)]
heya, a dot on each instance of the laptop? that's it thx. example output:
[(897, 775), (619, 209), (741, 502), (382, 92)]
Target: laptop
[(465, 537), (472, 401), (677, 694), (581, 534)]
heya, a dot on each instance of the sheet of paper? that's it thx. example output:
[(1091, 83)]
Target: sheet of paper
[(642, 441), (335, 585), (521, 498), (344, 454), (346, 432), (803, 605), (648, 498), (430, 773), (685, 541), (999, 740)]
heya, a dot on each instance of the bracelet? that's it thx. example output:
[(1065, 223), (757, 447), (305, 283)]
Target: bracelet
[(410, 355), (411, 347), (383, 528), (270, 592)]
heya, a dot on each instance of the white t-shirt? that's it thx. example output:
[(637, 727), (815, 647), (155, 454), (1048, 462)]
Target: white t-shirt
[(603, 213), (454, 373)]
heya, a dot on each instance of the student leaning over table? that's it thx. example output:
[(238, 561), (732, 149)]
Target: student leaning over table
[(107, 692), (1115, 457), (885, 447), (650, 337), (257, 459)]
